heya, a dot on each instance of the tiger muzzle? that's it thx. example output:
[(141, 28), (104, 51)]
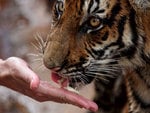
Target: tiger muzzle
[(55, 51)]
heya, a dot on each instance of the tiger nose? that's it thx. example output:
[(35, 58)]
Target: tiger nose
[(51, 64), (53, 59), (54, 55)]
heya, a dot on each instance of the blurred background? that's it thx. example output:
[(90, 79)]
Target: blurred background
[(20, 21)]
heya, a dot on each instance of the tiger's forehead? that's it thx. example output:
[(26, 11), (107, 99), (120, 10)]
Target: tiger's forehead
[(92, 5), (89, 6)]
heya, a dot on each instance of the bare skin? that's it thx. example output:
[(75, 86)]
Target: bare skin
[(15, 74)]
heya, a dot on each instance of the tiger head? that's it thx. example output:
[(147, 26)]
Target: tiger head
[(91, 39)]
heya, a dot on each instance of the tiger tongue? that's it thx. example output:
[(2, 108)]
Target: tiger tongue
[(59, 80)]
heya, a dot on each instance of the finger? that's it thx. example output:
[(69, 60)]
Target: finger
[(24, 73), (63, 96), (32, 78), (76, 99), (34, 84)]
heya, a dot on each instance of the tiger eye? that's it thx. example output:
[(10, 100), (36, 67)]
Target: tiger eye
[(95, 22)]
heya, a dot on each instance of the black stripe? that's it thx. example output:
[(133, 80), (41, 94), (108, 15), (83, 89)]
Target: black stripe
[(121, 25), (131, 50), (98, 53), (133, 26), (119, 42), (146, 58), (100, 11), (90, 52), (128, 52), (97, 7), (114, 12), (81, 7), (90, 5), (98, 2), (105, 37)]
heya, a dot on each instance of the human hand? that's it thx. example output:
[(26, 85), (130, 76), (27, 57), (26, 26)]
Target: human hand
[(15, 74)]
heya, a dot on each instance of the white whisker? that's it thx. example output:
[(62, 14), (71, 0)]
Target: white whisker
[(40, 66), (38, 59), (35, 55), (36, 47), (39, 46), (39, 38), (99, 74), (84, 79), (98, 77)]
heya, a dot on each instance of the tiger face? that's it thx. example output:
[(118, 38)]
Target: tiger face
[(91, 39)]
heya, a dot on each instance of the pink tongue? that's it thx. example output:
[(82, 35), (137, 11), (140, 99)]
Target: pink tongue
[(59, 80)]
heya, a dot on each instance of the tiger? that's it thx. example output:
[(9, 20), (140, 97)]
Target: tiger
[(106, 42)]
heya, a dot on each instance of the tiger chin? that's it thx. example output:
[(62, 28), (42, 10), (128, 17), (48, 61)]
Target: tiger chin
[(105, 41)]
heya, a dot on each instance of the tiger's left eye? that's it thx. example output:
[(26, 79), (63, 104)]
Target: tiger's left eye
[(95, 22), (58, 10)]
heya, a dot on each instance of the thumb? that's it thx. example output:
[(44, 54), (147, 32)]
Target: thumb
[(35, 81)]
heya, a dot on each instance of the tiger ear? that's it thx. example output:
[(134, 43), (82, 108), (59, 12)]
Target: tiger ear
[(140, 5)]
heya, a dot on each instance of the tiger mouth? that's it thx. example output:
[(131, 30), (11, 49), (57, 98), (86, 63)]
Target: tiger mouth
[(63, 82)]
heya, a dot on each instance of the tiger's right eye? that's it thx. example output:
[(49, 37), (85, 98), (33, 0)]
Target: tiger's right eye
[(95, 22)]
